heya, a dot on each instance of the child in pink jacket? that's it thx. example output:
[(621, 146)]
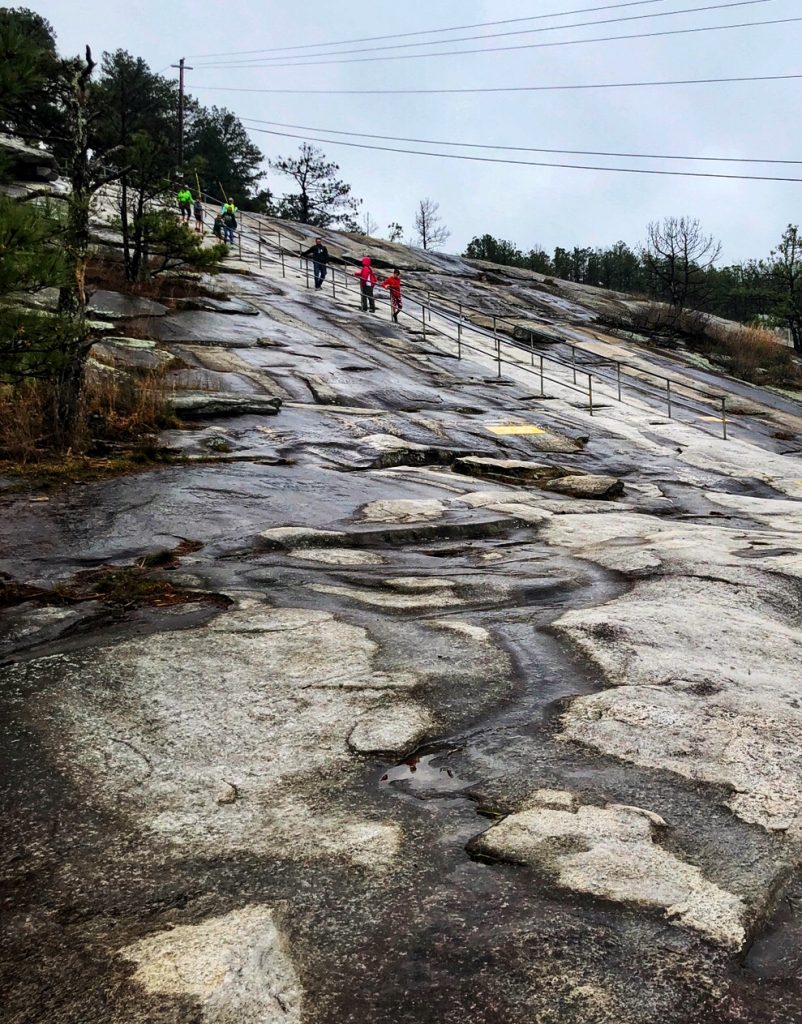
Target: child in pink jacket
[(367, 282)]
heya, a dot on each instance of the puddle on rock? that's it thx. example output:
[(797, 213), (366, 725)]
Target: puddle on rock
[(423, 775)]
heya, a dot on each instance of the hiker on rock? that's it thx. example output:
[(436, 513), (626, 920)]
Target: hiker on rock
[(228, 207), (320, 257), (185, 204), (217, 227), (198, 211), (393, 284), (367, 282), (229, 227)]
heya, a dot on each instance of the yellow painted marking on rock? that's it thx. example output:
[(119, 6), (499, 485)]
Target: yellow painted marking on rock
[(505, 429), (710, 419)]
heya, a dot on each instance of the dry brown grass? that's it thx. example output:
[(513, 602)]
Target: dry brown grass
[(752, 354), (26, 412), (128, 412), (128, 408)]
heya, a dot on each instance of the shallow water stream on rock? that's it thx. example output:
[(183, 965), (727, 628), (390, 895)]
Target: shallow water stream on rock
[(171, 768)]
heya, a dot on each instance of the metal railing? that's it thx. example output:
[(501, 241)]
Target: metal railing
[(621, 377), (501, 349)]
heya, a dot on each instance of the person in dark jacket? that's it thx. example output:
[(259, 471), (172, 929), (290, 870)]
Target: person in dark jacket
[(229, 227), (319, 255), (198, 211)]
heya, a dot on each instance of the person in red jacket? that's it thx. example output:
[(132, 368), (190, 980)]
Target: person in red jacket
[(393, 284), (367, 282)]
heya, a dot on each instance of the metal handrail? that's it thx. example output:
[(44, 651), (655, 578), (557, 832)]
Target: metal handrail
[(464, 323), (426, 317), (501, 319)]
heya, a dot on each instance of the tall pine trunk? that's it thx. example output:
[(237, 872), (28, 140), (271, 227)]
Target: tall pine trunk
[(125, 225), (72, 297)]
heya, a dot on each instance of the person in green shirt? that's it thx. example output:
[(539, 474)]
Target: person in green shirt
[(185, 204)]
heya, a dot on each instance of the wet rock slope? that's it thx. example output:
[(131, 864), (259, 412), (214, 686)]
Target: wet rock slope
[(434, 698)]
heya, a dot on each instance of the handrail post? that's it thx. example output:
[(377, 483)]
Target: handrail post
[(429, 304), (281, 251), (423, 319), (542, 392), (333, 283), (259, 236), (532, 351), (498, 344), (724, 417), (590, 394), (306, 265), (239, 240), (573, 360), (618, 364), (668, 396), (459, 334)]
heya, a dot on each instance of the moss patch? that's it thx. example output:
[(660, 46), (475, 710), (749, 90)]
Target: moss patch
[(130, 587)]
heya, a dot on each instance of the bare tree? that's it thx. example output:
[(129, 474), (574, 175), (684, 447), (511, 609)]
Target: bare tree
[(369, 225), (396, 232), (432, 233), (678, 256)]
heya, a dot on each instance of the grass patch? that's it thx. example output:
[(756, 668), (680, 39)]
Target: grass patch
[(46, 474), (117, 410), (12, 593), (128, 588), (751, 354), (120, 587)]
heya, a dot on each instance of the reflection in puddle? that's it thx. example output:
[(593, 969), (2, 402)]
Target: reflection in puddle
[(421, 773)]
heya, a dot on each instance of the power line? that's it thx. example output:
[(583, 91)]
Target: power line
[(268, 61), (521, 46), (523, 149), (501, 88), (430, 31), (526, 163)]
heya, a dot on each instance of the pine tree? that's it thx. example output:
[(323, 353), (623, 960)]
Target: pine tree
[(322, 199)]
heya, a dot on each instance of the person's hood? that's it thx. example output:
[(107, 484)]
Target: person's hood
[(366, 261)]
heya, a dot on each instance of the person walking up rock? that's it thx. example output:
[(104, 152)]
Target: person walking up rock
[(393, 285), (185, 204), (320, 258), (229, 227), (367, 282)]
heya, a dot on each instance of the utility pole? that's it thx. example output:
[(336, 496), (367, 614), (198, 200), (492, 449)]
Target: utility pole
[(182, 67)]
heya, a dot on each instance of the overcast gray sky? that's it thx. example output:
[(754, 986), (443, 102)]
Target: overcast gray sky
[(528, 205)]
